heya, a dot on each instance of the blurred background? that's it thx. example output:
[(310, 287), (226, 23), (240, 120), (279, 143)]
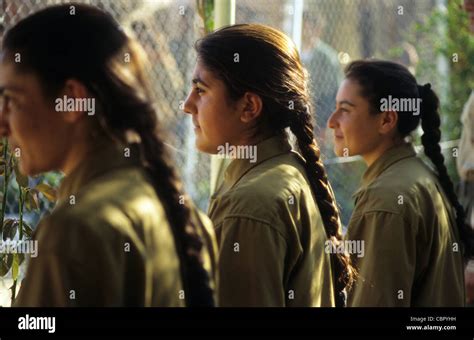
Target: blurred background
[(430, 37)]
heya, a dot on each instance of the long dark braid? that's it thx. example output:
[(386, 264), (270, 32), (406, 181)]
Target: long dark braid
[(141, 117), (430, 122), (52, 44), (169, 187), (280, 79), (302, 127), (379, 79)]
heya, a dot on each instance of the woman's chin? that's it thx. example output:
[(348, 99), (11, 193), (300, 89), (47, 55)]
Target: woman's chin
[(338, 151), (27, 170), (203, 146)]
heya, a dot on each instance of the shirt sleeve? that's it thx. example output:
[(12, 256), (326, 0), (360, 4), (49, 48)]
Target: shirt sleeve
[(209, 252), (386, 268), (251, 264), (48, 282), (69, 269)]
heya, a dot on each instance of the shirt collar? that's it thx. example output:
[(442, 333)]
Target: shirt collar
[(268, 148), (106, 155), (390, 157)]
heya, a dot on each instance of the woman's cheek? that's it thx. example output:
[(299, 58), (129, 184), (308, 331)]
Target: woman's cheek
[(348, 147)]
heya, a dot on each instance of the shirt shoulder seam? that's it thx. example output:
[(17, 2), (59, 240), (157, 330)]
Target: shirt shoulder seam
[(249, 217)]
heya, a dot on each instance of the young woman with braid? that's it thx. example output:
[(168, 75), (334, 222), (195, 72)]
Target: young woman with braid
[(408, 215), (122, 233), (273, 212)]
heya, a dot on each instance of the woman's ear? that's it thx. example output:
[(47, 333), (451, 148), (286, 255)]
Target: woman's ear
[(76, 95), (252, 107), (388, 122)]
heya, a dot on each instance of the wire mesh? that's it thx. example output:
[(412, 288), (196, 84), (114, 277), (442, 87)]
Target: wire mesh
[(334, 32)]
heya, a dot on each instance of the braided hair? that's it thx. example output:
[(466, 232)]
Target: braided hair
[(430, 123), (270, 66), (302, 127), (90, 46), (378, 79)]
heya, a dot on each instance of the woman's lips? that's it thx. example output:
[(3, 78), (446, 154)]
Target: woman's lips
[(196, 125)]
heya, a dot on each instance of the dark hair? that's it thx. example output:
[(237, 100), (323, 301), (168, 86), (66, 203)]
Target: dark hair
[(378, 79), (91, 47), (269, 65)]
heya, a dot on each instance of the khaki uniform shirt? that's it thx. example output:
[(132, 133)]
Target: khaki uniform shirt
[(412, 253), (270, 234), (108, 241), (465, 159)]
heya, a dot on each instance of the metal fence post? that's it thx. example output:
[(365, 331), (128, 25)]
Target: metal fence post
[(224, 14)]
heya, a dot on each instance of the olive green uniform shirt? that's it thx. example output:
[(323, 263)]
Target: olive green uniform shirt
[(270, 234), (412, 253), (108, 241)]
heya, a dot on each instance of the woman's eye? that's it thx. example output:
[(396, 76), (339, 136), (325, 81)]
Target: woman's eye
[(198, 90)]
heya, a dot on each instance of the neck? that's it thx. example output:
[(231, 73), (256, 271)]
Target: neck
[(373, 155), (76, 156), (252, 138), (80, 151)]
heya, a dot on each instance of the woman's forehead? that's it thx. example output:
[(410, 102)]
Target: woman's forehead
[(203, 74), (14, 79)]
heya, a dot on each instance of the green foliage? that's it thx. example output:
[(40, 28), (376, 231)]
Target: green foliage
[(28, 198), (447, 30), (445, 47), (206, 12)]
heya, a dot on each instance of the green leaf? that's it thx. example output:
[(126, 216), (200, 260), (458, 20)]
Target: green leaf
[(48, 191), (21, 258), (10, 228), (2, 169), (15, 266), (32, 199), (27, 230), (6, 261), (205, 9)]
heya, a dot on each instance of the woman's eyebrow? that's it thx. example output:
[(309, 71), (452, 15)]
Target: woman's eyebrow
[(10, 88), (197, 80), (345, 101)]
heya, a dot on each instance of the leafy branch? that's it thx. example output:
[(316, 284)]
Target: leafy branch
[(17, 228)]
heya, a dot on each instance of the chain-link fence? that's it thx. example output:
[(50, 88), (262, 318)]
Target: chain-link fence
[(167, 31), (333, 33)]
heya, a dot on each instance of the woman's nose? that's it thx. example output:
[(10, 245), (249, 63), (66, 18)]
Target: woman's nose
[(188, 104), (332, 121)]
